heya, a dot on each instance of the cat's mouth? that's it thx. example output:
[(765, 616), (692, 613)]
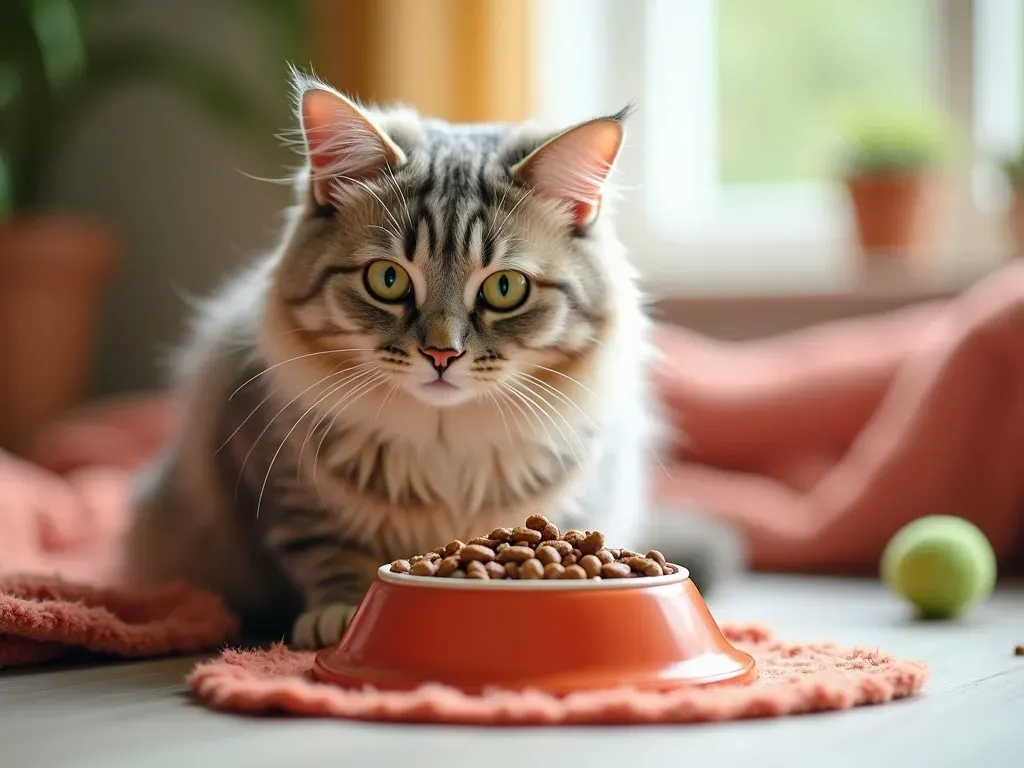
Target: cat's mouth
[(441, 392)]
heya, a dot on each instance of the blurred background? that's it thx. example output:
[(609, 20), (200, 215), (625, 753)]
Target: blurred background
[(789, 162)]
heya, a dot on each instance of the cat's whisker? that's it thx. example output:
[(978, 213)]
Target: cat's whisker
[(560, 415), (359, 371), (316, 454), (376, 381), (552, 445), (526, 194), (501, 412), (391, 391), (657, 458), (243, 422), (401, 195), (560, 395), (282, 181), (544, 409), (334, 372), (497, 210), (368, 188), (391, 232), (519, 424), (284, 441), (354, 379), (269, 368), (285, 407), (577, 382)]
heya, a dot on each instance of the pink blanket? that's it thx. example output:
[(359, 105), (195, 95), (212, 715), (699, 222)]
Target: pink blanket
[(821, 444)]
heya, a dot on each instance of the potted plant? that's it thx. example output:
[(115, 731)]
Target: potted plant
[(890, 165), (54, 265), (1013, 170)]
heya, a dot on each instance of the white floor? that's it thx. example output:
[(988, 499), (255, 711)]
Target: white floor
[(971, 713)]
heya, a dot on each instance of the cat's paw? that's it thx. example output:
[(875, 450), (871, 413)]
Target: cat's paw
[(320, 627)]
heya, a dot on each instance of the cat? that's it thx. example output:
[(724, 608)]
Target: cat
[(448, 339)]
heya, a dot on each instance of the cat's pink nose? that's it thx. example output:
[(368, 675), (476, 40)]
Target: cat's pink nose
[(440, 358)]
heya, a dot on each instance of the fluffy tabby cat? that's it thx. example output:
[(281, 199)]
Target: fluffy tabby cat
[(448, 339)]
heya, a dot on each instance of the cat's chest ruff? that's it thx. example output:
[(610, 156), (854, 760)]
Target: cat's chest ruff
[(458, 475)]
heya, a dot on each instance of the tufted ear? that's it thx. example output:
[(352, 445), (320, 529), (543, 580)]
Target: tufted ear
[(574, 165), (342, 142)]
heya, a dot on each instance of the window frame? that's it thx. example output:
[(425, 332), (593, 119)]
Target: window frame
[(709, 237)]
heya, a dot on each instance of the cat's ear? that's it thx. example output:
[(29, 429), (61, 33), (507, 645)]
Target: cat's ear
[(573, 166), (342, 142)]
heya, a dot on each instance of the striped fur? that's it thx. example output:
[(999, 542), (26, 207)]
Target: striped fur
[(309, 449)]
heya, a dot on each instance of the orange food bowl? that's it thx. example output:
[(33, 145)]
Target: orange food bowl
[(555, 636)]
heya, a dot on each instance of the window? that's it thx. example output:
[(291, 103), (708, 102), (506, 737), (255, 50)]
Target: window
[(729, 172)]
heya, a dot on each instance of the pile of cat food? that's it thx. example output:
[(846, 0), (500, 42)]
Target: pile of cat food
[(535, 551)]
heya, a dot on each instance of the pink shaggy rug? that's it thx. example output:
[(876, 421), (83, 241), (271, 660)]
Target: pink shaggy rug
[(794, 678)]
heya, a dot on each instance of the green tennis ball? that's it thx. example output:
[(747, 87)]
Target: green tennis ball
[(941, 564)]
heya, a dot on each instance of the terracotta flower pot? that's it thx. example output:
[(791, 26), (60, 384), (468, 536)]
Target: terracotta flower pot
[(893, 214), (53, 271)]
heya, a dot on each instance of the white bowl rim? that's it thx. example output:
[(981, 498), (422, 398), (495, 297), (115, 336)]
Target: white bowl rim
[(560, 585)]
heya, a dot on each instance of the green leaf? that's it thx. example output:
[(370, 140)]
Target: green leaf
[(57, 28), (26, 121)]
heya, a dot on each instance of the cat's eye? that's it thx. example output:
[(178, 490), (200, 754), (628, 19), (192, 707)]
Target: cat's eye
[(505, 291), (387, 281)]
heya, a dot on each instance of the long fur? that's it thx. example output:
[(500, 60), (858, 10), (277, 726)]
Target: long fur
[(310, 449)]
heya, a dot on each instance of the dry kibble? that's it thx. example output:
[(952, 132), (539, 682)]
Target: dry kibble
[(553, 571), (453, 548), (591, 543), (643, 565), (550, 532), (526, 534), (561, 547), (448, 566), (476, 553), (547, 555), (591, 565), (537, 522), (535, 550), (657, 557), (615, 571), (531, 569), (515, 555), (424, 568), (573, 536), (573, 572)]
